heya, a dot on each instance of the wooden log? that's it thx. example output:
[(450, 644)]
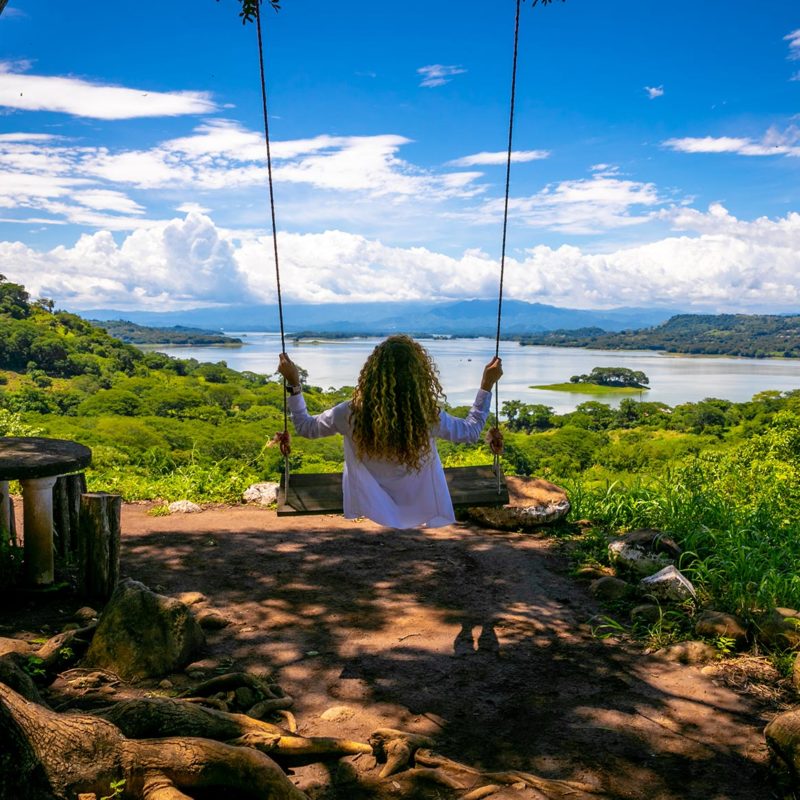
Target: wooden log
[(98, 544), (66, 512)]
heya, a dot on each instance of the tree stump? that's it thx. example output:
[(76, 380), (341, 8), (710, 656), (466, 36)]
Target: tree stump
[(66, 513), (98, 544)]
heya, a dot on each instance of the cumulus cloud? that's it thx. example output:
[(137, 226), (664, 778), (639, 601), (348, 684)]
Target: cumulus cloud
[(501, 157), (582, 206), (21, 91), (654, 91), (773, 143), (712, 260), (438, 74)]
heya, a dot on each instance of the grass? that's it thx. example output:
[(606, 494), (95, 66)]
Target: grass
[(590, 388)]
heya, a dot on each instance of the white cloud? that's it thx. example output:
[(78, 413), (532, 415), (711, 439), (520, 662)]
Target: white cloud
[(654, 91), (97, 101), (794, 44), (192, 208), (491, 159), (583, 206), (439, 74), (714, 260), (795, 77), (773, 143)]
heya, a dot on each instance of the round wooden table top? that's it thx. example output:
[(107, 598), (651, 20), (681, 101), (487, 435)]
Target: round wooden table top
[(24, 457)]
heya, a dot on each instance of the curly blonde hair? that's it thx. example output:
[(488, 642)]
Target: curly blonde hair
[(396, 403)]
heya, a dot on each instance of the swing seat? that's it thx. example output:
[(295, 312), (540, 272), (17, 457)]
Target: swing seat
[(322, 493)]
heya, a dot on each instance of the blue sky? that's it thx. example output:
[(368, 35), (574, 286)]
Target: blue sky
[(657, 152)]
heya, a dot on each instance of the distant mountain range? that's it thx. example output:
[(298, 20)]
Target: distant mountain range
[(456, 318)]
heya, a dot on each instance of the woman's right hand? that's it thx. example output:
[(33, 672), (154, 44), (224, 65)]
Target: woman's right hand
[(289, 370), (492, 373)]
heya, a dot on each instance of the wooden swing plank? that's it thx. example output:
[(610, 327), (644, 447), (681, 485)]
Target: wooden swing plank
[(321, 493)]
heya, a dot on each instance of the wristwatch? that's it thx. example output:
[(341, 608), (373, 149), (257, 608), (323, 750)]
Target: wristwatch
[(293, 390)]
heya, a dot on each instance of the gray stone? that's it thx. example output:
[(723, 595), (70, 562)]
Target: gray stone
[(184, 507), (668, 584), (264, 494), (711, 624), (142, 634), (643, 551), (688, 652), (609, 588)]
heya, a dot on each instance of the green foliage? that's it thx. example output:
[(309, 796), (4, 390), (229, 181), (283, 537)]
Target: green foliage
[(117, 789), (620, 377)]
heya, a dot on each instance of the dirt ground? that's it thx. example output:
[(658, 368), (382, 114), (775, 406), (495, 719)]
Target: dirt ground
[(478, 638)]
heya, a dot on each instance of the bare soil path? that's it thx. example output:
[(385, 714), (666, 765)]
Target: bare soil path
[(480, 639)]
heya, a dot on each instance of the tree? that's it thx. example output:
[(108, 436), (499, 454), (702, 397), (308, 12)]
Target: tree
[(614, 376)]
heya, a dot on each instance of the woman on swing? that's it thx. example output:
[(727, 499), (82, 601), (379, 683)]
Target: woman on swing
[(392, 472)]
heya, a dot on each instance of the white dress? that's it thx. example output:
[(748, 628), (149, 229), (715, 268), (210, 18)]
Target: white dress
[(386, 492)]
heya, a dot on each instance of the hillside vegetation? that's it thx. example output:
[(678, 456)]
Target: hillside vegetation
[(721, 477), (748, 335), (131, 333)]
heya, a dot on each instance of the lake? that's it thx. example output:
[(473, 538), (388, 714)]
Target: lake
[(674, 379)]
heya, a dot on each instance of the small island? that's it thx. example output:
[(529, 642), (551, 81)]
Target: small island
[(177, 335), (603, 380)]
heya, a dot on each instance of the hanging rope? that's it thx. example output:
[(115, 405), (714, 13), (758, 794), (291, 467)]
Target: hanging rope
[(495, 438), (281, 439)]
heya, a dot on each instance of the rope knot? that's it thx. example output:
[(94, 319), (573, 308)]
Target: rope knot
[(494, 438), (283, 441)]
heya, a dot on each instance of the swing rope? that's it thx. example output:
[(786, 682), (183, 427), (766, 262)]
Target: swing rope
[(281, 439), (496, 439)]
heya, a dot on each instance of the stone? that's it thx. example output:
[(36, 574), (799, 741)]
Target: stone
[(192, 598), (609, 588), (591, 573), (712, 624), (212, 620), (166, 684), (337, 713), (668, 584), (647, 613), (85, 614), (142, 634), (184, 507), (694, 652), (14, 646), (783, 739), (796, 672), (533, 502), (781, 628), (643, 551), (264, 494)]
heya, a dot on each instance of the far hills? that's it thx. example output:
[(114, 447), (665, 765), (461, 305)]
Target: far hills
[(747, 335), (456, 318)]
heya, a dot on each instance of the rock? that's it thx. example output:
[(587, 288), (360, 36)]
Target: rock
[(166, 684), (781, 628), (245, 698), (85, 614), (337, 713), (591, 573), (533, 502), (609, 588), (648, 613), (184, 507), (643, 551), (192, 598), (14, 646), (712, 624), (796, 673), (669, 584), (142, 634), (783, 739), (264, 494), (212, 620), (695, 652)]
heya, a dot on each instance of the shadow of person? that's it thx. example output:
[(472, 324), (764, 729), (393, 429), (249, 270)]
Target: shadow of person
[(486, 643)]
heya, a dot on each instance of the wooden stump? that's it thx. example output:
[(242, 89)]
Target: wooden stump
[(66, 512), (98, 544)]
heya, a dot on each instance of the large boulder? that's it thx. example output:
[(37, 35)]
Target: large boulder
[(643, 551), (142, 634), (533, 502)]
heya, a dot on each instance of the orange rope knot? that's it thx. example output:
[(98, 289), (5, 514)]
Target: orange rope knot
[(282, 440), (495, 440)]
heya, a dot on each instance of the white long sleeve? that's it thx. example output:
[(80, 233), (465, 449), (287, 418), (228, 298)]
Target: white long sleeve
[(468, 430)]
